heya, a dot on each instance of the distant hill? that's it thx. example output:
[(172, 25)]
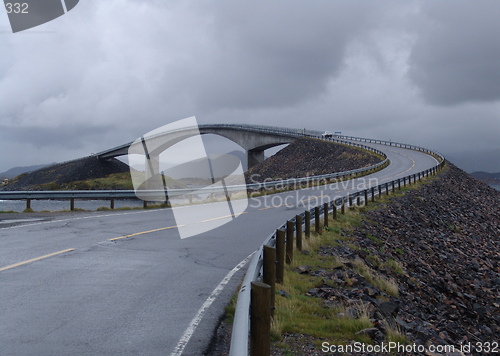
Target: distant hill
[(14, 172), (58, 176), (486, 177), (310, 157), (222, 165)]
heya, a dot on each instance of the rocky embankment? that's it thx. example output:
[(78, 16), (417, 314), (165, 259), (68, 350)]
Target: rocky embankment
[(57, 176), (441, 245), (445, 236), (310, 157)]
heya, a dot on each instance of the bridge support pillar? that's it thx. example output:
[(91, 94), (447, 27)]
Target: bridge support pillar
[(153, 179), (254, 157)]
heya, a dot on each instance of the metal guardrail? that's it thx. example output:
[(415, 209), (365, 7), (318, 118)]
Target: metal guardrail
[(122, 194), (241, 323), (275, 130)]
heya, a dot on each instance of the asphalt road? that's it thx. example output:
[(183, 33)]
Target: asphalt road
[(105, 292)]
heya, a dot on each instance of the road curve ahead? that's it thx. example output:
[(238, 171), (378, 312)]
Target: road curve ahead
[(124, 283)]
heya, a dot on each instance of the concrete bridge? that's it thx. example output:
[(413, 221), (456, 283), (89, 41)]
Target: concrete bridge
[(254, 139)]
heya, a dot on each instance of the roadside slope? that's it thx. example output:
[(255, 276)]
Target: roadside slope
[(309, 157)]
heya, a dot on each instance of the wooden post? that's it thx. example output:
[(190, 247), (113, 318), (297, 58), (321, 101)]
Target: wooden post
[(280, 255), (289, 242), (399, 183), (112, 203), (316, 220), (325, 214), (28, 204), (373, 194), (260, 319), (308, 224), (342, 207), (298, 232), (269, 269), (72, 204), (334, 210), (404, 182), (379, 190), (386, 188), (366, 196), (393, 186), (145, 205), (350, 201), (358, 199)]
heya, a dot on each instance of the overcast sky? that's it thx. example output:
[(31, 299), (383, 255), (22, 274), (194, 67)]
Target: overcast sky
[(419, 72)]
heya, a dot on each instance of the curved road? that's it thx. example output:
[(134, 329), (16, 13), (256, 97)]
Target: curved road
[(109, 293)]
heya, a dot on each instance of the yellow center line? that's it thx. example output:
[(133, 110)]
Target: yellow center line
[(222, 217), (35, 259), (270, 207), (145, 232)]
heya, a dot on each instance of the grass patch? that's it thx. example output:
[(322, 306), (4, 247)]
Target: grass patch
[(394, 265), (311, 315), (6, 211), (387, 285), (124, 208)]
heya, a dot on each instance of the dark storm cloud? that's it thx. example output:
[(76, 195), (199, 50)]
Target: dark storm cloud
[(456, 58), (109, 71), (66, 137), (277, 53)]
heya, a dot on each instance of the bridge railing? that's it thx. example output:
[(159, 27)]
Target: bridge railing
[(170, 193), (241, 322)]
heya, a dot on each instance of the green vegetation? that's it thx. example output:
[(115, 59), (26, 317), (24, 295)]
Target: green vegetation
[(311, 315)]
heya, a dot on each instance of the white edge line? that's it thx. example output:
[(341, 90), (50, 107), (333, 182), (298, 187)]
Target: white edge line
[(196, 320)]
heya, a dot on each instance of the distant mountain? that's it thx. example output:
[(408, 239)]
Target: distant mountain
[(222, 165), (486, 177), (14, 172)]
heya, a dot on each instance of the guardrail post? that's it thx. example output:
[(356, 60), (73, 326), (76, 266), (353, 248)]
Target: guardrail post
[(419, 179), (392, 183), (342, 207), (269, 269), (325, 214), (373, 194), (298, 229), (316, 220), (289, 242), (308, 224), (414, 178), (145, 205), (28, 204), (334, 210), (366, 196), (260, 320), (399, 183), (112, 203), (72, 204), (379, 190), (358, 201), (280, 255), (350, 201)]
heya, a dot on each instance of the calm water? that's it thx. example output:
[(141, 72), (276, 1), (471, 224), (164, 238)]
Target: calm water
[(56, 205), (496, 186)]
